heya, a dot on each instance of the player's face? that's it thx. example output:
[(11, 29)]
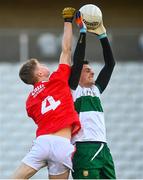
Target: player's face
[(87, 76), (42, 72)]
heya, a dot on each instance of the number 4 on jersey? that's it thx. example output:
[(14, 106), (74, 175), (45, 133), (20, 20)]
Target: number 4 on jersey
[(53, 104)]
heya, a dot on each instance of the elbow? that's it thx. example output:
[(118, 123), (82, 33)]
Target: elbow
[(113, 64), (67, 52), (110, 64), (66, 49)]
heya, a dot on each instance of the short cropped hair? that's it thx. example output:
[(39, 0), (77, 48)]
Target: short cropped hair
[(85, 62), (26, 72)]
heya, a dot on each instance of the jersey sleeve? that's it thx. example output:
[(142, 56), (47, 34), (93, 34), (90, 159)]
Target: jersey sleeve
[(62, 73), (106, 72), (78, 61)]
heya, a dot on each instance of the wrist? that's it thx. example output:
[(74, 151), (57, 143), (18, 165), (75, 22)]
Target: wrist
[(83, 30), (68, 20), (101, 36)]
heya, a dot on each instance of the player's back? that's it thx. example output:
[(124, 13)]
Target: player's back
[(51, 106)]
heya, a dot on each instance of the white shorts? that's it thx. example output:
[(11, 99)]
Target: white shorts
[(55, 152)]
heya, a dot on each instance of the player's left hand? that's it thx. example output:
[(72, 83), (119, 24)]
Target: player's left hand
[(100, 31), (68, 14)]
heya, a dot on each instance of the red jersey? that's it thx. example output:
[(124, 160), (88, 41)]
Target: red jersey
[(50, 104)]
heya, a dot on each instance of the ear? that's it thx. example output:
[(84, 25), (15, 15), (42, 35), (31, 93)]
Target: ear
[(39, 74)]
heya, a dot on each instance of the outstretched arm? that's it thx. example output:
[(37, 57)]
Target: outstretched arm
[(105, 74), (68, 14), (79, 54)]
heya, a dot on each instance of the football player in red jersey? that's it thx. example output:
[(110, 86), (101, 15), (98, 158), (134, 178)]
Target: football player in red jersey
[(51, 107)]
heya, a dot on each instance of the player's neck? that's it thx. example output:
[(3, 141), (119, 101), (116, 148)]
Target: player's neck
[(86, 85), (43, 79)]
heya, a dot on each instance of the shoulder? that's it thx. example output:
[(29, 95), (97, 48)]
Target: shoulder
[(78, 89), (96, 90), (64, 67), (97, 86), (77, 92), (63, 72)]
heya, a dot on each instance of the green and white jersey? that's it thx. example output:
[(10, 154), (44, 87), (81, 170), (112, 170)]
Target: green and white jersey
[(88, 105)]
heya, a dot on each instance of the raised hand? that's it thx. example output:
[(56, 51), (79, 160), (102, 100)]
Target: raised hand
[(80, 23), (68, 14)]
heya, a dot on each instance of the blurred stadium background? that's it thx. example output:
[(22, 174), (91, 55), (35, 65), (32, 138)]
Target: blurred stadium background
[(33, 28)]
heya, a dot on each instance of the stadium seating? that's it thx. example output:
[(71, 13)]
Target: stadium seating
[(122, 103)]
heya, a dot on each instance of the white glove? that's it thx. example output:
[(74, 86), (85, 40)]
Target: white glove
[(100, 31)]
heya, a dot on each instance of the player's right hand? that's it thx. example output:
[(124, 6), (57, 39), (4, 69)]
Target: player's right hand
[(100, 31), (80, 23), (68, 14)]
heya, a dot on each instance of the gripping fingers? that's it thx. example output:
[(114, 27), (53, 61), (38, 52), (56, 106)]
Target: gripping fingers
[(79, 20), (80, 23)]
